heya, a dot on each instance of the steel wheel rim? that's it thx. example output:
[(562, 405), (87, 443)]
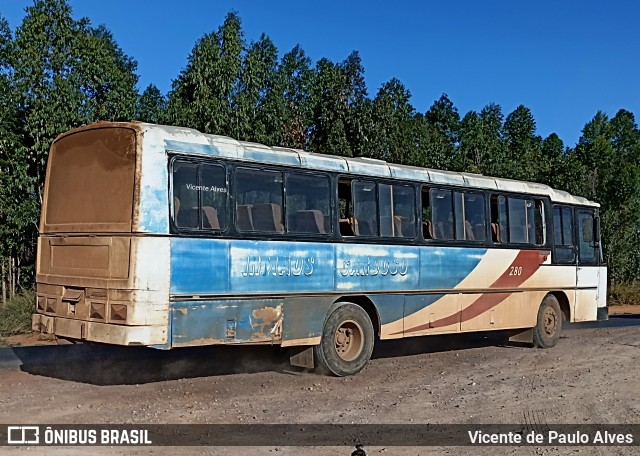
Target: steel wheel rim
[(349, 340), (550, 321)]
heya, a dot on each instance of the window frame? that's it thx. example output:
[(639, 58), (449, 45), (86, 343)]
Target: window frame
[(413, 191), (572, 247), (544, 201), (242, 233), (462, 191), (327, 177), (334, 178), (198, 162), (597, 249)]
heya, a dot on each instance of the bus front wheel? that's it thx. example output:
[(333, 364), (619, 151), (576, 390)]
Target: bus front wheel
[(547, 330), (347, 341)]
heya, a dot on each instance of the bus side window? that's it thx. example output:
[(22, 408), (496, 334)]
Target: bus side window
[(307, 205), (499, 220), (563, 234), (474, 216), (427, 225), (185, 194), (397, 208), (586, 241), (365, 209), (442, 214), (259, 200), (213, 181), (345, 207)]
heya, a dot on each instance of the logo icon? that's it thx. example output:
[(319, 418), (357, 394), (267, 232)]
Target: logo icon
[(23, 435)]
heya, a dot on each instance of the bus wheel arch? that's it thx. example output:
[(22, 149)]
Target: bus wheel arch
[(563, 301), (347, 340), (368, 306), (549, 323)]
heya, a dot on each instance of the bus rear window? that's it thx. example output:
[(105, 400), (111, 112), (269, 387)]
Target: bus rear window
[(90, 182)]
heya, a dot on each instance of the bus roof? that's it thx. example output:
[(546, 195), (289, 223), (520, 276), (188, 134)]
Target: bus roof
[(191, 142)]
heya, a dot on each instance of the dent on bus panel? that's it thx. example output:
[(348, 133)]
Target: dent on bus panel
[(228, 321)]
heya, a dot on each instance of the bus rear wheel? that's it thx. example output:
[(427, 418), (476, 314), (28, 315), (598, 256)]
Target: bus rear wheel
[(549, 324), (347, 341)]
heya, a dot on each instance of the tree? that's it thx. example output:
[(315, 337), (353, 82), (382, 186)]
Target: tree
[(293, 83), (481, 147), (523, 146), (328, 132), (255, 114), (151, 105), (63, 73), (391, 132), (202, 95), (444, 126)]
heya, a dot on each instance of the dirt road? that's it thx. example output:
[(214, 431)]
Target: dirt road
[(592, 376)]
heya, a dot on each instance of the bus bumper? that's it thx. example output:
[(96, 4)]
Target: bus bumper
[(99, 332), (603, 313)]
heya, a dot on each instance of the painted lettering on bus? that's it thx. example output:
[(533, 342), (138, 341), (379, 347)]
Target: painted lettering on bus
[(369, 267), (206, 188), (278, 266)]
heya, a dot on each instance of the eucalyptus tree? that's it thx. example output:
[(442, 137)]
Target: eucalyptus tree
[(392, 117), (255, 113), (329, 101), (481, 146), (151, 106), (202, 95), (63, 73), (522, 146), (444, 128), (294, 78)]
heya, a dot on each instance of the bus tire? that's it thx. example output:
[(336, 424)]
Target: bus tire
[(347, 341), (549, 324)]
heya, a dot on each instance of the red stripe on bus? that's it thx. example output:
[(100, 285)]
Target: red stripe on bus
[(525, 264)]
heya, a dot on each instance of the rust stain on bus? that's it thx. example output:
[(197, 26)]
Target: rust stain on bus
[(267, 317)]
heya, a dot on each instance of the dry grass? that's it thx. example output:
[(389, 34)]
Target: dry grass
[(15, 316), (624, 295)]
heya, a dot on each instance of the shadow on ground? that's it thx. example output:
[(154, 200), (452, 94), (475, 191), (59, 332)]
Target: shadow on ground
[(108, 365), (111, 365)]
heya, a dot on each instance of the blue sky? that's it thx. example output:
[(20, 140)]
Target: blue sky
[(564, 60)]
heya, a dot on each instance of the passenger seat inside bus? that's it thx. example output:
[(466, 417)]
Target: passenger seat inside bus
[(244, 219), (468, 232), (364, 227), (427, 230), (397, 226), (268, 217), (210, 219), (495, 232), (310, 221), (176, 207)]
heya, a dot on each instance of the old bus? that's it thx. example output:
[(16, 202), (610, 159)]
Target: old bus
[(166, 237)]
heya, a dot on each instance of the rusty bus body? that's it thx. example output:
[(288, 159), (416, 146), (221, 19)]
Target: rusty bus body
[(119, 262)]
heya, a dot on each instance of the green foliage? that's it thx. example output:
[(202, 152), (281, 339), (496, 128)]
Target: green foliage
[(294, 78), (482, 149), (391, 117), (15, 316), (151, 106), (623, 294), (523, 156), (57, 73), (202, 95)]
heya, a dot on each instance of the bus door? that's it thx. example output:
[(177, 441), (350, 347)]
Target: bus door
[(588, 270), (565, 252)]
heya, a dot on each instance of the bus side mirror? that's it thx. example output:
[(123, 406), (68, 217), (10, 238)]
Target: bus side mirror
[(596, 232)]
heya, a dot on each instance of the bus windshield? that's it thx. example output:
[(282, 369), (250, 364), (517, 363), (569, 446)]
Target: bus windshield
[(90, 182)]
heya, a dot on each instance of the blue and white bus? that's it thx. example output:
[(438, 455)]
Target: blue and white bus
[(166, 237)]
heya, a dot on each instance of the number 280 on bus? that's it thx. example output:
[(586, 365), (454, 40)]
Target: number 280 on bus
[(166, 237)]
